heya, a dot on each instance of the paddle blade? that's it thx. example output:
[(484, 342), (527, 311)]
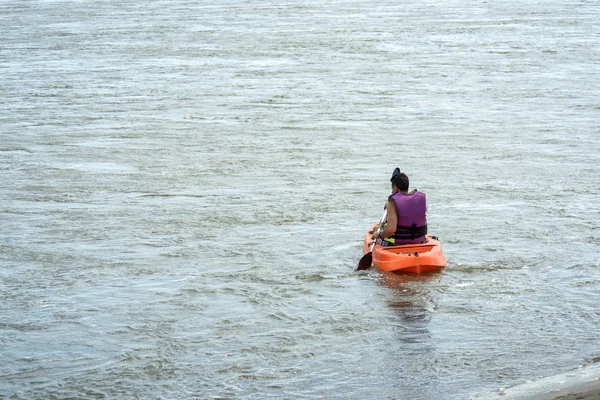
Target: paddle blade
[(365, 262)]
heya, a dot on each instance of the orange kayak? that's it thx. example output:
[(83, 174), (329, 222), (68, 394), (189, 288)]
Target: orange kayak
[(415, 258)]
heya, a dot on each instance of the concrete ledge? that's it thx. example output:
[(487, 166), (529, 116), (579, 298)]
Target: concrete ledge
[(579, 384)]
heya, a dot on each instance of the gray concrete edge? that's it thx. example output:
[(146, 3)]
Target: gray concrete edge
[(581, 383)]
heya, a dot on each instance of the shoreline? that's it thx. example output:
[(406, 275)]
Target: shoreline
[(581, 384)]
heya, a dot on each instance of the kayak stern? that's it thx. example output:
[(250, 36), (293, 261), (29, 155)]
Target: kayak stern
[(413, 258)]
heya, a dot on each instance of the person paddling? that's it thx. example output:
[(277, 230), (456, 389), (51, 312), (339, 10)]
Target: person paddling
[(406, 214)]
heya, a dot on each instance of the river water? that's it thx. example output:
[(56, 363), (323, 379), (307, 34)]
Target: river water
[(185, 186)]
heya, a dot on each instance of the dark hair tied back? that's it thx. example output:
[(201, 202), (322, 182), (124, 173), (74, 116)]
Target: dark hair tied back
[(400, 180)]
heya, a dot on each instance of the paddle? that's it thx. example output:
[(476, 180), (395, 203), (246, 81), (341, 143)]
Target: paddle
[(366, 260)]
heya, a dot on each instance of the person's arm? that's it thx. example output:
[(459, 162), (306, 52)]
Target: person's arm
[(392, 221)]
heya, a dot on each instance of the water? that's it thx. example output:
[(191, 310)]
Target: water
[(185, 187)]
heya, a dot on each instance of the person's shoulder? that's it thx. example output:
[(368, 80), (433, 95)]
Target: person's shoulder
[(416, 193)]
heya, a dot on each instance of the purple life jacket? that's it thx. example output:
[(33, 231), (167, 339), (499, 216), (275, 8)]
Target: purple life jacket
[(412, 219)]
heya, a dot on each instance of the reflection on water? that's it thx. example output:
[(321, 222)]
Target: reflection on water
[(408, 297), (412, 347)]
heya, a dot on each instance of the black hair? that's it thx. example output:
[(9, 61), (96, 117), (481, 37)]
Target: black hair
[(401, 181)]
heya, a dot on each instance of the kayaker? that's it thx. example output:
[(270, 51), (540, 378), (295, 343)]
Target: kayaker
[(406, 214)]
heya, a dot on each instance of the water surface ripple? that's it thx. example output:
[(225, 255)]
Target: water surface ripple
[(185, 187)]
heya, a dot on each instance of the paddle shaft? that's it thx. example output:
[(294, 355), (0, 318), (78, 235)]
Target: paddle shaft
[(381, 223), (366, 260)]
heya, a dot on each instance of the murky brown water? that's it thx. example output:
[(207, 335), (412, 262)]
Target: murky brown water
[(185, 187)]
